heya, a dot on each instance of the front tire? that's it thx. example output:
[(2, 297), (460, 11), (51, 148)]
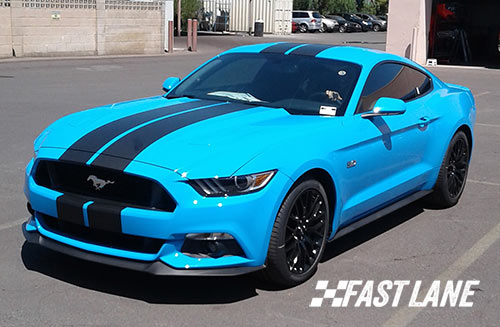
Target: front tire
[(452, 174), (376, 28), (342, 29), (299, 235)]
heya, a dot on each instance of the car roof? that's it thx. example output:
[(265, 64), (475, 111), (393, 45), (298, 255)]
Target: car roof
[(362, 56)]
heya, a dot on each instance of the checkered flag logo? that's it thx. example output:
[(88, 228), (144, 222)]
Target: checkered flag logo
[(328, 293)]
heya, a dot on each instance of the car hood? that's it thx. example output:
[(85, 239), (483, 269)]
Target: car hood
[(204, 147)]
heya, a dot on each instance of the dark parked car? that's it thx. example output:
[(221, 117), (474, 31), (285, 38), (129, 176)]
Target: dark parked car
[(365, 25), (378, 23), (345, 25)]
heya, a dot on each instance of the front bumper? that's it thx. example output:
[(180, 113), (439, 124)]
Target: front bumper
[(248, 218), (156, 267)]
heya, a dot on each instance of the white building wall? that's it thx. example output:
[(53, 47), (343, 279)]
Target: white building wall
[(276, 15), (408, 28)]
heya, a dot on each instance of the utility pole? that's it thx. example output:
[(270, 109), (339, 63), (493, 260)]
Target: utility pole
[(178, 17)]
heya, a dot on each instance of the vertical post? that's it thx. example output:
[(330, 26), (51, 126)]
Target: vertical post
[(195, 34), (189, 35), (250, 17), (179, 18), (100, 17), (170, 36), (414, 44)]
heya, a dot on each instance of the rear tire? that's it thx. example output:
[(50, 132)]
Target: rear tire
[(303, 28), (299, 235), (342, 29), (452, 176)]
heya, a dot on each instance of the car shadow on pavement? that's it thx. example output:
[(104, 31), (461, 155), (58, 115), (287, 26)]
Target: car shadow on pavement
[(184, 290), (137, 285)]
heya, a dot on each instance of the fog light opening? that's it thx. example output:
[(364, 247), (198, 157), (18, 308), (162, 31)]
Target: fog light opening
[(214, 245)]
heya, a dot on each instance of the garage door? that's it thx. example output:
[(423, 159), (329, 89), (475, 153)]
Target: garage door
[(465, 32)]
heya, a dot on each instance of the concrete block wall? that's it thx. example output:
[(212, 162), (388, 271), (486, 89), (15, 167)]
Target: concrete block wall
[(5, 31), (131, 31), (80, 27)]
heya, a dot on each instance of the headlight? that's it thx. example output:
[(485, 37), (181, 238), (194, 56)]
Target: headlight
[(235, 185)]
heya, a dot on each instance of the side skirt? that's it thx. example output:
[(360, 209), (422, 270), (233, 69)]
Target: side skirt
[(379, 214)]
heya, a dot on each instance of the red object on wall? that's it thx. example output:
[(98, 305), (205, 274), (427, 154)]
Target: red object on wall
[(444, 12)]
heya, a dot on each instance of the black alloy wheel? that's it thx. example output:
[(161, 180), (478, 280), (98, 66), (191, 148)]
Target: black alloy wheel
[(299, 235), (456, 169), (452, 176), (305, 231)]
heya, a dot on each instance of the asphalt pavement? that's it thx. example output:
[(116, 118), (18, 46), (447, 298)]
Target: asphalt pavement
[(42, 288)]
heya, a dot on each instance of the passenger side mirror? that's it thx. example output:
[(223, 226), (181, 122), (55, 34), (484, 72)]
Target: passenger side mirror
[(386, 107), (170, 83)]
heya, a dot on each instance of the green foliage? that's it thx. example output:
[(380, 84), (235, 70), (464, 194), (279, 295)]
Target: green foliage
[(305, 4), (336, 6), (383, 7), (189, 9), (369, 7)]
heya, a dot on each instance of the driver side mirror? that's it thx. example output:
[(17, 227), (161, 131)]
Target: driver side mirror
[(170, 83), (386, 107)]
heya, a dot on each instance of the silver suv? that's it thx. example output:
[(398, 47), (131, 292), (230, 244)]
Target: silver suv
[(307, 20)]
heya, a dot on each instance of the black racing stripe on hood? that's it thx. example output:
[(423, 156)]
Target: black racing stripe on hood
[(311, 50), (123, 151), (280, 48), (83, 149)]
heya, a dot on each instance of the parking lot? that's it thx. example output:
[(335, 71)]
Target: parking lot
[(42, 288)]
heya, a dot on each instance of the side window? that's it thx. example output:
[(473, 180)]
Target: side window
[(295, 15), (304, 15), (393, 81)]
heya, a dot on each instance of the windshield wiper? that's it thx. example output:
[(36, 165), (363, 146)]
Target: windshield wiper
[(247, 97), (189, 96)]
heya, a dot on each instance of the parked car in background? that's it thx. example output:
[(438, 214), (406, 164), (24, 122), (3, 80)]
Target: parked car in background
[(295, 27), (378, 23), (328, 25), (345, 25), (307, 20), (365, 25)]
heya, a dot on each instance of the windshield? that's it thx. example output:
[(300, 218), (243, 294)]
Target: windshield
[(300, 84)]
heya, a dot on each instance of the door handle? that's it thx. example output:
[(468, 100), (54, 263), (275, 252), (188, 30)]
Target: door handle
[(424, 121)]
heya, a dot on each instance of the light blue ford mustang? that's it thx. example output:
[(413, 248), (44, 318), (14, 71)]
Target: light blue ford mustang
[(252, 162)]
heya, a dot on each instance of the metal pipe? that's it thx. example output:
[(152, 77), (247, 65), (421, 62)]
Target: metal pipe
[(170, 36), (195, 35), (189, 34), (179, 18)]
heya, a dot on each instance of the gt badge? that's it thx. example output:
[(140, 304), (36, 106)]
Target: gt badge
[(99, 183)]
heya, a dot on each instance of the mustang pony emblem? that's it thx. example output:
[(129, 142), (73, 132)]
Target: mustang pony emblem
[(99, 183)]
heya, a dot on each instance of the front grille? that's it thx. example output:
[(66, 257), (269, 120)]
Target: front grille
[(130, 190), (99, 237)]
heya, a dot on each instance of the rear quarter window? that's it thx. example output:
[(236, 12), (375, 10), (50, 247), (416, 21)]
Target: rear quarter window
[(393, 80)]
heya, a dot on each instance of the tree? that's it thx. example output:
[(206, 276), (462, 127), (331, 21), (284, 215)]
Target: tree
[(336, 6), (305, 4), (383, 7), (369, 7), (189, 9)]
